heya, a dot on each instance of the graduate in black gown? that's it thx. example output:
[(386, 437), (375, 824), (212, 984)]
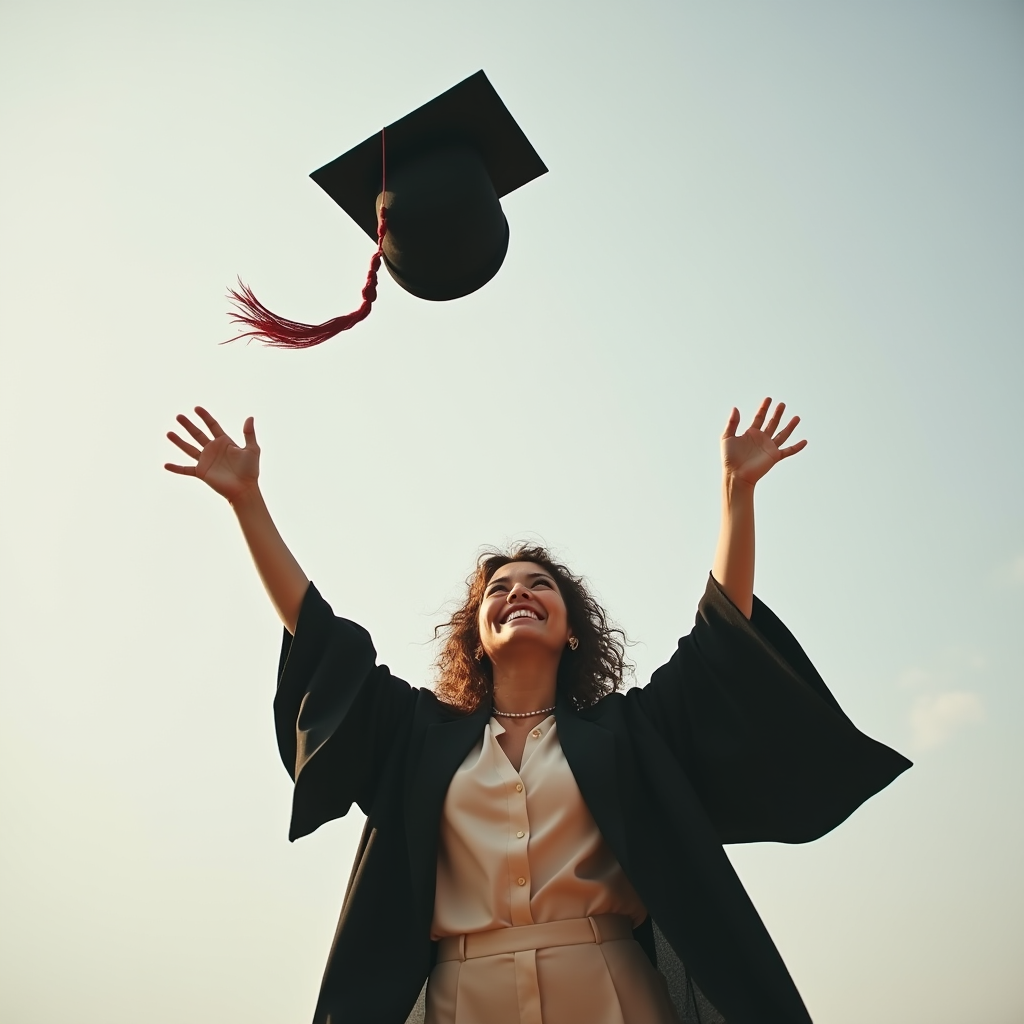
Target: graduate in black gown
[(735, 739)]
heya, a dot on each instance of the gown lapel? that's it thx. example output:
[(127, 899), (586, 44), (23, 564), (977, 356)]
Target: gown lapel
[(590, 750), (445, 747)]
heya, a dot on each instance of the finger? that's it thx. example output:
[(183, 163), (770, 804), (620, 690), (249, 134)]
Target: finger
[(731, 424), (783, 435), (188, 449), (180, 470), (793, 449), (212, 425), (193, 430), (249, 433), (773, 423), (759, 416)]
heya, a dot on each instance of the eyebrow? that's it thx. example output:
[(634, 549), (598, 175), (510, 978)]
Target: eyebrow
[(529, 576)]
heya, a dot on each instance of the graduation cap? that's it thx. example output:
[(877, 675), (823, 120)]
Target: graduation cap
[(427, 190)]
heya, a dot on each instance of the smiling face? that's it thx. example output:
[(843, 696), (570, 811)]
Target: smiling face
[(527, 646), (522, 605)]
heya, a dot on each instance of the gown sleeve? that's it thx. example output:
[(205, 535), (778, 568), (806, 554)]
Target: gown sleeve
[(337, 714), (766, 746)]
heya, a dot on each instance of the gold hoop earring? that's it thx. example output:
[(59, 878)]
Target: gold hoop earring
[(573, 643)]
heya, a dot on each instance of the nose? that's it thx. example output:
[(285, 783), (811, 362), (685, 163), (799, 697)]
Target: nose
[(517, 591)]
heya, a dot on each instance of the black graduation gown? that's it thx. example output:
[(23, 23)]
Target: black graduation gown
[(737, 739)]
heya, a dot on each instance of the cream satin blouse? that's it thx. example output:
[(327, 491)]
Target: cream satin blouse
[(521, 848)]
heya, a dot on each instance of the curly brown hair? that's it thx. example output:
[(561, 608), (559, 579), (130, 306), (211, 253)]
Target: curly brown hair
[(595, 668)]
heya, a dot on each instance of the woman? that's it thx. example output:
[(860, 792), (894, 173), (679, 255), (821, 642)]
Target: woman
[(537, 842)]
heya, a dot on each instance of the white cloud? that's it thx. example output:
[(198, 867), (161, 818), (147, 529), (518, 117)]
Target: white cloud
[(934, 718), (914, 678), (948, 671), (1011, 572), (1016, 568)]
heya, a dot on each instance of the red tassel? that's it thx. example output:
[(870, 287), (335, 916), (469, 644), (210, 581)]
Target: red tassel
[(279, 332)]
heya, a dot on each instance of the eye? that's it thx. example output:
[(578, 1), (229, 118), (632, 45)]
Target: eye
[(543, 583)]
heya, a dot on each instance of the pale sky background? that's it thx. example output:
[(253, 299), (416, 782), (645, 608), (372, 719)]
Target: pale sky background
[(820, 202)]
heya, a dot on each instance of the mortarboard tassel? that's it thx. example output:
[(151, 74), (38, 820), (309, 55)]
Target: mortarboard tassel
[(279, 332)]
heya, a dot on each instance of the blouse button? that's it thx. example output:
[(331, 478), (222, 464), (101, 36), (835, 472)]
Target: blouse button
[(535, 734), (519, 835), (519, 787), (522, 881)]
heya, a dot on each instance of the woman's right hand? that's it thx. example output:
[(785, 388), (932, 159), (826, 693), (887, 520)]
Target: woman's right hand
[(231, 471)]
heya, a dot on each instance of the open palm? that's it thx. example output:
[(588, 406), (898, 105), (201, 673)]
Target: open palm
[(748, 456), (219, 462)]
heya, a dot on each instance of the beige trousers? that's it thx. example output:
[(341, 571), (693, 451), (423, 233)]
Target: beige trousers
[(585, 971)]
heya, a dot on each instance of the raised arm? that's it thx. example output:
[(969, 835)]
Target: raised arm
[(233, 472), (746, 458)]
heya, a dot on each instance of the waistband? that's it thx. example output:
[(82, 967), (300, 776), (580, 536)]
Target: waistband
[(519, 938)]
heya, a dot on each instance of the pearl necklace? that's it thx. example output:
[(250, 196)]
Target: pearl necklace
[(522, 714)]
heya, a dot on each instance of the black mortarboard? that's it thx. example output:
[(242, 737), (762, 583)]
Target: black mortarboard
[(442, 233)]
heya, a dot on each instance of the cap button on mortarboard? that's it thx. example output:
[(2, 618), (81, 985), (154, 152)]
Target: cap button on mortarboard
[(428, 191)]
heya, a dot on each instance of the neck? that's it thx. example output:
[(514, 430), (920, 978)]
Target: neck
[(524, 685)]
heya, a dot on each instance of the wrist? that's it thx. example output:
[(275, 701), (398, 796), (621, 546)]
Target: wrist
[(734, 487), (247, 498)]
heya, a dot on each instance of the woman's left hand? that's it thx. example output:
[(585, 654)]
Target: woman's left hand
[(748, 456)]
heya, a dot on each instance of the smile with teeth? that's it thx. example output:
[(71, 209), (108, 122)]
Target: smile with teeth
[(521, 613)]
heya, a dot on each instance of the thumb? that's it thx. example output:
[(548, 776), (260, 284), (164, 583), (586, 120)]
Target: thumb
[(732, 423), (249, 433)]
